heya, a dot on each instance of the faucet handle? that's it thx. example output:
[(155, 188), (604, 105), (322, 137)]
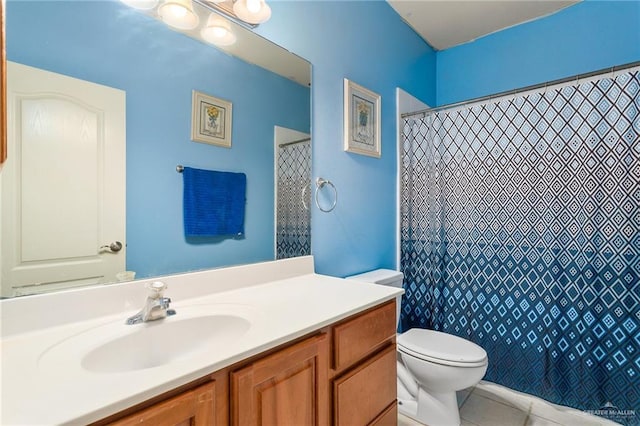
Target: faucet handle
[(156, 287)]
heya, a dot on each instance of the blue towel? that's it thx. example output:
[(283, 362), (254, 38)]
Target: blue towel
[(213, 202)]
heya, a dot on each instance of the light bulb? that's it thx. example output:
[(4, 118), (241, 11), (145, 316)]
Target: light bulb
[(177, 10), (218, 31), (178, 14), (253, 6), (252, 11)]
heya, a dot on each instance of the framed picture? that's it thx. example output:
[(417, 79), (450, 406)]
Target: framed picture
[(211, 120), (361, 120)]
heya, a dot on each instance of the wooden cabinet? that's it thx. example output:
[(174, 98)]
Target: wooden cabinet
[(289, 387), (204, 402), (388, 417), (365, 392), (356, 337), (194, 407), (343, 374), (364, 386)]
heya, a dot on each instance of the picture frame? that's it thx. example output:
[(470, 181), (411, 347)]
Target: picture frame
[(211, 119), (361, 120)]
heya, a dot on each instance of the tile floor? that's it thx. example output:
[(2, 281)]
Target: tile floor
[(489, 404)]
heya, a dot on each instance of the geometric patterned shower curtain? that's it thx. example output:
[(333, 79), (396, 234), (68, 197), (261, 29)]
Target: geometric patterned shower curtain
[(520, 231), (293, 228)]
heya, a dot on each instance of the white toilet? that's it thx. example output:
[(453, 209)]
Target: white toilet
[(432, 365)]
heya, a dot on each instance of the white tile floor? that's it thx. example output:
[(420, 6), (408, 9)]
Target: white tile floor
[(488, 404)]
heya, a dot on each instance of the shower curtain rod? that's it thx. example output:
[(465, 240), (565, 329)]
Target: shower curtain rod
[(294, 142), (524, 89)]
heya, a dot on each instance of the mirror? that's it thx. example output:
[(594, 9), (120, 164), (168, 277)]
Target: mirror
[(156, 70)]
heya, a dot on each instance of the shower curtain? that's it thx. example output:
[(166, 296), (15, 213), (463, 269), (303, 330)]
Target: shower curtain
[(520, 231), (293, 220)]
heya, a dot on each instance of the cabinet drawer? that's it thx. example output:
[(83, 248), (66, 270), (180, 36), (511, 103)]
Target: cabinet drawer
[(354, 339), (364, 393)]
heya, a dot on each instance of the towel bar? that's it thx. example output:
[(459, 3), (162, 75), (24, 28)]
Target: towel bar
[(320, 183)]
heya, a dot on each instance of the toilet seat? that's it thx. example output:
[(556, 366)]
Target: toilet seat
[(441, 348)]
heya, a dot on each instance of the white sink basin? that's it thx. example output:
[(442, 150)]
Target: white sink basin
[(119, 348), (157, 343)]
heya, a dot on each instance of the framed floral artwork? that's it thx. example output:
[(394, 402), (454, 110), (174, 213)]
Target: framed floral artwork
[(211, 120), (361, 120)]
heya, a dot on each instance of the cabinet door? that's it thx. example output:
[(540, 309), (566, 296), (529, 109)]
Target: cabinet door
[(364, 393), (192, 408), (289, 387)]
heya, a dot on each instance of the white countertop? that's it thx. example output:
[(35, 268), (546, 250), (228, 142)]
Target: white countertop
[(36, 390)]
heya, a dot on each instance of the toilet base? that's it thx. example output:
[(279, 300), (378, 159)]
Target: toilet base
[(408, 407), (438, 409), (433, 409)]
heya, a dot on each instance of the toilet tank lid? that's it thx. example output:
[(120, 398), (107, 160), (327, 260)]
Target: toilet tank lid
[(378, 276)]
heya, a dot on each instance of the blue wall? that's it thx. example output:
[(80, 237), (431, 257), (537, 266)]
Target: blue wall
[(158, 78), (368, 43), (588, 36)]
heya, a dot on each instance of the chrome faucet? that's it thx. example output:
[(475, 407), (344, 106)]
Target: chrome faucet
[(156, 307)]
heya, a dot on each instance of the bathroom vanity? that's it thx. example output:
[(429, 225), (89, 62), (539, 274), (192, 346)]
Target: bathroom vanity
[(269, 343)]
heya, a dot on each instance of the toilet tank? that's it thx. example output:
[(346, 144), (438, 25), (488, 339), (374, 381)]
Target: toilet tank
[(387, 277)]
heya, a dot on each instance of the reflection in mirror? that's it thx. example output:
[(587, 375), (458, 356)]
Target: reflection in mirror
[(99, 116), (293, 193)]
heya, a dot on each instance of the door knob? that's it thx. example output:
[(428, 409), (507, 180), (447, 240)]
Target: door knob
[(114, 247)]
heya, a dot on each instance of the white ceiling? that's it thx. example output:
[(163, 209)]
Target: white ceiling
[(447, 23)]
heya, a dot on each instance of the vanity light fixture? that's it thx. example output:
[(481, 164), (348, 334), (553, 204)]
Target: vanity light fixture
[(252, 11), (141, 4), (178, 14), (218, 31)]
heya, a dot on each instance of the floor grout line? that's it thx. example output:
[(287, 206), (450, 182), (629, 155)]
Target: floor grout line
[(526, 418)]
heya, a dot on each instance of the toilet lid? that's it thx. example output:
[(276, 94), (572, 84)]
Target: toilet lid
[(441, 346)]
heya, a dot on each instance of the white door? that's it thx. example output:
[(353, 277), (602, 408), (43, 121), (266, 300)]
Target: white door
[(63, 185)]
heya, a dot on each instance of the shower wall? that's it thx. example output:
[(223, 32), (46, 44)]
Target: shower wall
[(520, 230)]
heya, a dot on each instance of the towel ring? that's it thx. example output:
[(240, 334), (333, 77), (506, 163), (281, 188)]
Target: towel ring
[(320, 183)]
